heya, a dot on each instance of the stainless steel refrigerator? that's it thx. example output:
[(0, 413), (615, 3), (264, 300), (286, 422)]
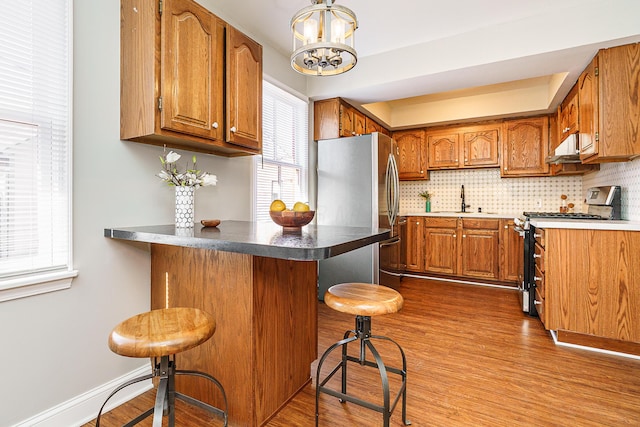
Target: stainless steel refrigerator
[(358, 186)]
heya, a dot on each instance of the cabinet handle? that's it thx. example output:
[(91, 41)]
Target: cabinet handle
[(233, 129), (214, 125)]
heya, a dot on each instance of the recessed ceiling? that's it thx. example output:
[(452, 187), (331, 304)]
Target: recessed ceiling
[(424, 50)]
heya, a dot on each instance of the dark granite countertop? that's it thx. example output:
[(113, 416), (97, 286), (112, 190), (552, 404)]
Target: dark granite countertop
[(266, 239)]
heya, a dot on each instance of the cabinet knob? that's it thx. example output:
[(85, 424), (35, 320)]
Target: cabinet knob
[(537, 279), (536, 302), (417, 222), (506, 226), (214, 125), (455, 235), (233, 129), (464, 235), (537, 256), (421, 171)]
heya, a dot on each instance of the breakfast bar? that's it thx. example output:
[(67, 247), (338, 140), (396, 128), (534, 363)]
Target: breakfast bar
[(260, 284)]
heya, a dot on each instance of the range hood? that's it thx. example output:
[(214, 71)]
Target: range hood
[(566, 152)]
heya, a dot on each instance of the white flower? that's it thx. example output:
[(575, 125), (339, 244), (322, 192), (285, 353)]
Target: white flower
[(208, 179), (189, 178), (172, 157)]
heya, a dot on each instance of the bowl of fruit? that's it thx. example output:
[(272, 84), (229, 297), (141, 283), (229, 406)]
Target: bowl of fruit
[(291, 220)]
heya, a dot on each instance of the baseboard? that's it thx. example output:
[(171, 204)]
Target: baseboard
[(84, 408)]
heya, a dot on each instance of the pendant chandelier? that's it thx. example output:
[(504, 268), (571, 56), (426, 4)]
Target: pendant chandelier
[(323, 39)]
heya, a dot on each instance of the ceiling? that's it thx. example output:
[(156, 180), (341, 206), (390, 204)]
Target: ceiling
[(413, 53)]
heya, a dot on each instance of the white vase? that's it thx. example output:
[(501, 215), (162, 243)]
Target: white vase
[(184, 206)]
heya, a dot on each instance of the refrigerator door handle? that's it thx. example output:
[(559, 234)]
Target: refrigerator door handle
[(390, 190), (396, 187)]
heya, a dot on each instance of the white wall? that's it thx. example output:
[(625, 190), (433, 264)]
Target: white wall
[(54, 346)]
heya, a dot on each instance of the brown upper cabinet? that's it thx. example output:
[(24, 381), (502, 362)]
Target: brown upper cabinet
[(568, 118), (371, 126), (609, 106), (335, 118), (412, 154), (564, 168), (188, 79), (525, 147), (244, 90), (464, 147)]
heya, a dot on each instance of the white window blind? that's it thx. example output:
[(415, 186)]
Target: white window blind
[(35, 142), (282, 172)]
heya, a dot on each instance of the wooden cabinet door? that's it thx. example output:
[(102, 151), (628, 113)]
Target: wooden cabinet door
[(192, 46), (359, 122), (443, 149), (588, 110), (371, 126), (525, 147), (244, 90), (347, 121), (568, 114), (414, 244), (511, 253), (412, 160), (441, 250), (480, 253), (480, 145)]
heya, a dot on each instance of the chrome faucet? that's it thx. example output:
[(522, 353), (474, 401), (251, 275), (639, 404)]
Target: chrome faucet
[(464, 205)]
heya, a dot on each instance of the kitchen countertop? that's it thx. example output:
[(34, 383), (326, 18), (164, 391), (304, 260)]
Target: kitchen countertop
[(267, 239), (586, 224), (488, 215)]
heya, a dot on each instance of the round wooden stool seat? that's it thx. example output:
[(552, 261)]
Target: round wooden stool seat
[(162, 332), (363, 299)]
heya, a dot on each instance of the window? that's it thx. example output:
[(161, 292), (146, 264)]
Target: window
[(282, 170), (35, 147)]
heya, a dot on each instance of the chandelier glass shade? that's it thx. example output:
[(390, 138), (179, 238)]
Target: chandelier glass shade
[(323, 39)]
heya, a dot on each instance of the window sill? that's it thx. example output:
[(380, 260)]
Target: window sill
[(35, 285)]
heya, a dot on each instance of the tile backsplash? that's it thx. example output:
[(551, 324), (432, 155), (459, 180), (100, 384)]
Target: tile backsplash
[(627, 176), (485, 189)]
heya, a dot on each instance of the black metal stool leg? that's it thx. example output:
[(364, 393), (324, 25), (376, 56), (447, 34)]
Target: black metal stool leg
[(320, 385), (166, 394), (363, 334)]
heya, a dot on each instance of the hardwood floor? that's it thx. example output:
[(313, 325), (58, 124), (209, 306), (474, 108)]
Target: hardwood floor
[(473, 359)]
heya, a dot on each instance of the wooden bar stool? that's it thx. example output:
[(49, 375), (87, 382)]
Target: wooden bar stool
[(364, 300), (160, 334)]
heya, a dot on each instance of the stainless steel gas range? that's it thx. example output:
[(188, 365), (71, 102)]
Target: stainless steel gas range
[(603, 204)]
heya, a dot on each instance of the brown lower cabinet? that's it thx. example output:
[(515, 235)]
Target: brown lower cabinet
[(477, 248), (590, 282)]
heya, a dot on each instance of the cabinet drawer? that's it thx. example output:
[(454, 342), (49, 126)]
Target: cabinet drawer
[(539, 257), (482, 224), (539, 302), (538, 278), (441, 222), (539, 235)]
